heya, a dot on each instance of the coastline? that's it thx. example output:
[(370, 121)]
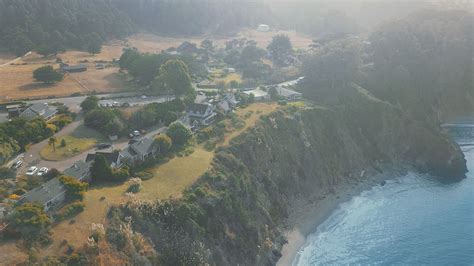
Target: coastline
[(306, 217)]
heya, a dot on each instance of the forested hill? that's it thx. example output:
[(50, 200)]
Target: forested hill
[(50, 26), (181, 17)]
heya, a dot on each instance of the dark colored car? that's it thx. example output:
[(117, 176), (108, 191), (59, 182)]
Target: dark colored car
[(102, 146)]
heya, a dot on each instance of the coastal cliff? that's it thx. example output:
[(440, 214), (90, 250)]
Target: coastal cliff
[(236, 212)]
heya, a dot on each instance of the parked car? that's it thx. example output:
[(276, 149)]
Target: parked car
[(144, 97), (32, 171), (42, 171), (102, 146), (17, 164), (116, 104), (136, 133), (131, 135)]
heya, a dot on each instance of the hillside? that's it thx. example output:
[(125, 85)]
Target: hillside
[(235, 213)]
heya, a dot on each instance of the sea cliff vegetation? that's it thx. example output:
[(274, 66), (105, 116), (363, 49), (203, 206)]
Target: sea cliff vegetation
[(235, 212)]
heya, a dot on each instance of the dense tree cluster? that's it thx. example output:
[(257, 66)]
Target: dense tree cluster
[(193, 16), (424, 62), (50, 26), (16, 134), (47, 74), (112, 121), (144, 68)]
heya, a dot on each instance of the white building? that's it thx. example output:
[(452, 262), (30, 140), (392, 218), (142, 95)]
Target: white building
[(263, 28)]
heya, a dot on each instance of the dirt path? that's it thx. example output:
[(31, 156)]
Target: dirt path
[(15, 60)]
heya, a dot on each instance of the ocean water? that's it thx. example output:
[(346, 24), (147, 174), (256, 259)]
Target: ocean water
[(412, 220)]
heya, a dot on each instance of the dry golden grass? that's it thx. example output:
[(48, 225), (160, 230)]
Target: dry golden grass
[(255, 111), (171, 178), (16, 81), (151, 43)]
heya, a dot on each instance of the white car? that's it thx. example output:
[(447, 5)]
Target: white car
[(31, 171), (42, 171), (136, 133)]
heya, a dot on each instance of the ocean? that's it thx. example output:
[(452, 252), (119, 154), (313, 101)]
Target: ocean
[(412, 220)]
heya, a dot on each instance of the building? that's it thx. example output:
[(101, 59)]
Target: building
[(289, 95), (49, 194), (263, 28), (114, 159), (259, 94), (139, 151), (228, 103), (79, 170), (39, 110), (201, 114), (72, 68)]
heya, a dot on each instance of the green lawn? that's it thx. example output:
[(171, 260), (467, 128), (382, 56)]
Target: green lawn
[(74, 146)]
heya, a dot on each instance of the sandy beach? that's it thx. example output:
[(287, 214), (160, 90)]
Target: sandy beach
[(306, 217)]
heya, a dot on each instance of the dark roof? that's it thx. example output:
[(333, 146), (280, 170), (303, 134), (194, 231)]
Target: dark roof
[(78, 170), (111, 157), (44, 193), (73, 67), (198, 107), (143, 146)]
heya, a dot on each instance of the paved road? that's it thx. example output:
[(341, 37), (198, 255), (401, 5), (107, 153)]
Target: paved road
[(125, 97)]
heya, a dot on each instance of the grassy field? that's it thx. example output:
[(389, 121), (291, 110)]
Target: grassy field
[(74, 146), (171, 178), (80, 140), (17, 79)]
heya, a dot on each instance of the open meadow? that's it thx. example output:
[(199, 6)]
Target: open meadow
[(16, 80)]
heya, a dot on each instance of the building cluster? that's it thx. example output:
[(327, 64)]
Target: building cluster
[(52, 193)]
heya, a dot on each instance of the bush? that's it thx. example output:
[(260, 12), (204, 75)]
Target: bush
[(6, 173), (135, 184), (69, 211)]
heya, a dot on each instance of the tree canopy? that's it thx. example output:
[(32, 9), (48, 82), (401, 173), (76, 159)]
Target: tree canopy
[(179, 134), (31, 220), (280, 49), (90, 103), (174, 79), (47, 75)]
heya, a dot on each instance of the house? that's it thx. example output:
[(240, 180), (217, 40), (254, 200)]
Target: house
[(49, 194), (263, 28), (187, 48), (39, 110), (72, 68), (228, 103), (259, 94), (201, 114), (79, 170), (114, 159), (139, 151), (289, 95)]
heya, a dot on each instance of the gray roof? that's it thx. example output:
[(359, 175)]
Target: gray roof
[(286, 92), (78, 170), (198, 107), (38, 109), (143, 146), (45, 192), (111, 157)]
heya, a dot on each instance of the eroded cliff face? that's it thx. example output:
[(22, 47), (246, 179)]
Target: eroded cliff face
[(235, 212)]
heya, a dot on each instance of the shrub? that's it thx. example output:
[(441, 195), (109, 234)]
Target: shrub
[(135, 184), (6, 173), (69, 211)]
